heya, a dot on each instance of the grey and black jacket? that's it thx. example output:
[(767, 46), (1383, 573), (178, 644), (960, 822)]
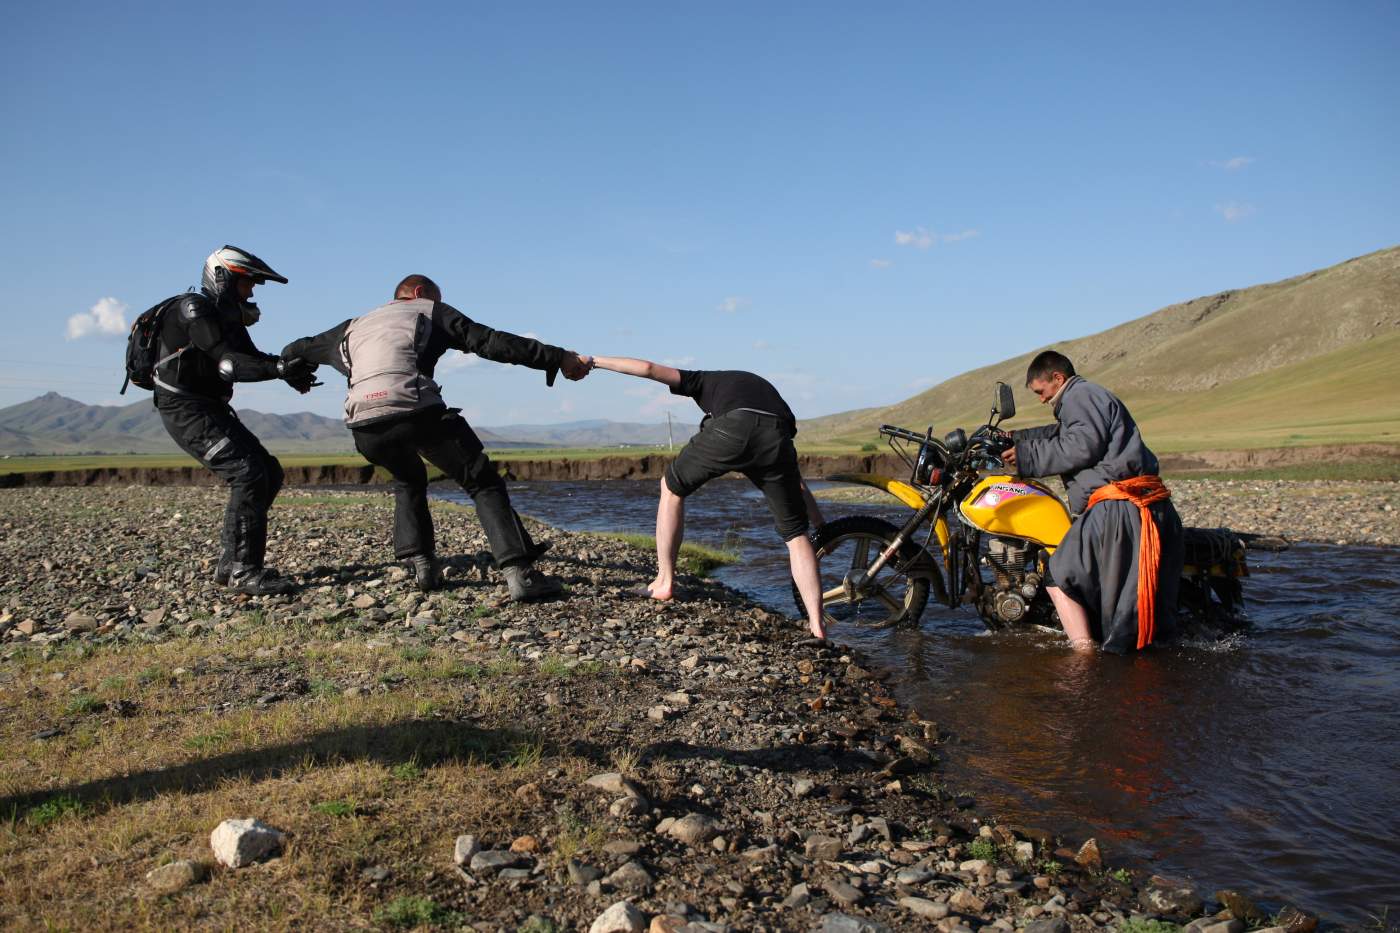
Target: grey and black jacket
[(1094, 441), (389, 356)]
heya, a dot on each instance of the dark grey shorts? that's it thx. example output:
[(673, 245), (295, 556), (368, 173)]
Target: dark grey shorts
[(755, 445)]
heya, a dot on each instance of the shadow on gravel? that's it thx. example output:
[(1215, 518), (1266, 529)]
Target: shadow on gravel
[(425, 742)]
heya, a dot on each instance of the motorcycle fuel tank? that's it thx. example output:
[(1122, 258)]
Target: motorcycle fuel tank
[(1008, 505)]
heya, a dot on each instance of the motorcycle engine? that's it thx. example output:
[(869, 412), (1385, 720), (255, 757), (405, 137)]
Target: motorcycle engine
[(1013, 587)]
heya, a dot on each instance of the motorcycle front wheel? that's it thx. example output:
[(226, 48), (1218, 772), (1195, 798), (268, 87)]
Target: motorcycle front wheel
[(852, 544)]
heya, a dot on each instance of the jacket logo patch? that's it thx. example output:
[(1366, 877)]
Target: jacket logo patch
[(382, 393)]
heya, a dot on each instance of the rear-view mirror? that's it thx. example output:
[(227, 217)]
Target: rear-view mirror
[(1005, 403)]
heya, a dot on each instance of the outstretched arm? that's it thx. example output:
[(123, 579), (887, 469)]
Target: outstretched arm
[(667, 375)]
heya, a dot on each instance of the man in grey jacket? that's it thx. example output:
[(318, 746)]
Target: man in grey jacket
[(1095, 443), (397, 415)]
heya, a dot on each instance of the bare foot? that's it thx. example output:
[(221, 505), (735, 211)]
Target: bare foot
[(660, 593), (817, 628)]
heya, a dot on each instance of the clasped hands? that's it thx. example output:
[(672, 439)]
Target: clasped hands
[(575, 366)]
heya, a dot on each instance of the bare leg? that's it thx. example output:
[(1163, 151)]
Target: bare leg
[(670, 529), (804, 570), (1073, 618), (814, 512)]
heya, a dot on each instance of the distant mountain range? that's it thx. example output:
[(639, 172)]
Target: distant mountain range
[(55, 424)]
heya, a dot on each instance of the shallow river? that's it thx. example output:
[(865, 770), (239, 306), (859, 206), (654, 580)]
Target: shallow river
[(1270, 762)]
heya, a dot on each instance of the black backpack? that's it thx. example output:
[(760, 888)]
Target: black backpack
[(143, 347)]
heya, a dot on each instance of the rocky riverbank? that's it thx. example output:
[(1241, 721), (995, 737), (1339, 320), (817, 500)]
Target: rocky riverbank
[(600, 763)]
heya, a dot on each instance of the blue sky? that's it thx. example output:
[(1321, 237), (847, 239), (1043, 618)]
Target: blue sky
[(855, 201)]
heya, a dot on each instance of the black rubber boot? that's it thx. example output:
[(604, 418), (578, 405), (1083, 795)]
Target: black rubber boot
[(258, 581), (426, 572), (222, 570), (528, 585)]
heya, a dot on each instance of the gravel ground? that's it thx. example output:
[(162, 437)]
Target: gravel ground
[(774, 784)]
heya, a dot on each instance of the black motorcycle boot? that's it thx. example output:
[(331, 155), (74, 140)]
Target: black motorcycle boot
[(426, 572), (252, 580), (222, 570), (528, 585)]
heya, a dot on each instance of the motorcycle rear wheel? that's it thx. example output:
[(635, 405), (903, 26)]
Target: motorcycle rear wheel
[(853, 543)]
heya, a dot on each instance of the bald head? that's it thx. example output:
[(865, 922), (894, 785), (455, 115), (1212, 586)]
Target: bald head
[(418, 286)]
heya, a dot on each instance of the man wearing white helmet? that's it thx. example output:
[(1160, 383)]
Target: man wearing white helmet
[(204, 349)]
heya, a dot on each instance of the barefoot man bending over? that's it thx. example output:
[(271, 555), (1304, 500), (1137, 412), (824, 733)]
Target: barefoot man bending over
[(748, 429)]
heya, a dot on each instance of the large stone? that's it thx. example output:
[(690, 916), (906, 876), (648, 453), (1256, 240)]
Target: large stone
[(581, 873), (621, 917), (1295, 920), (965, 902), (631, 878), (1233, 925), (1047, 925), (846, 895), (493, 860), (242, 842), (613, 782), (922, 907), (80, 622), (464, 849), (1171, 901), (175, 877), (694, 829), (1089, 855), (845, 923), (822, 848), (916, 874), (364, 601)]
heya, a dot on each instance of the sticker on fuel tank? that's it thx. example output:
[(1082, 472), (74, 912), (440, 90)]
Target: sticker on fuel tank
[(998, 493)]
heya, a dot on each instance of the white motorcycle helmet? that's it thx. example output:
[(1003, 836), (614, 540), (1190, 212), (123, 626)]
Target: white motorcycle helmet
[(222, 270)]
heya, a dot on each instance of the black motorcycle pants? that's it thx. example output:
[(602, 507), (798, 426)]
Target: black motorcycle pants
[(209, 431), (443, 438)]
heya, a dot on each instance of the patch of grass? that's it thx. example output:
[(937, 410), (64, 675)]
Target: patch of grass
[(415, 653), (207, 741), (626, 760), (1136, 925), (481, 612), (83, 703), (1051, 867), (150, 675), (112, 684), (984, 849), (1354, 470), (695, 559), (412, 910), (406, 771), (54, 809), (1121, 875), (323, 689), (537, 924), (526, 754), (553, 665), (335, 808)]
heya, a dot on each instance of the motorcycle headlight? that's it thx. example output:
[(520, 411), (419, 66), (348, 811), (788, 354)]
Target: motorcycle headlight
[(955, 440), (926, 468)]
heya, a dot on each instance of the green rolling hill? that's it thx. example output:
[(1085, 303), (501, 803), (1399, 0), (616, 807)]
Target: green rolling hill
[(1307, 361)]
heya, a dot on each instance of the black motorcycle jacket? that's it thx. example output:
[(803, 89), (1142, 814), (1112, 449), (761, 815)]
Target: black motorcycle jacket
[(214, 350)]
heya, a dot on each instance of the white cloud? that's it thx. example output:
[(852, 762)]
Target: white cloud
[(923, 238), (455, 361), (881, 263), (732, 304), (1232, 165), (762, 345), (566, 407), (1235, 211), (919, 238), (107, 318)]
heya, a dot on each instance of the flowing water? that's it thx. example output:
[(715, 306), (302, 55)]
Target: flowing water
[(1269, 762)]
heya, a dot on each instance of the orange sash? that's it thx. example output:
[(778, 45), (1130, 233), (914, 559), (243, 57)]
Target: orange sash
[(1141, 491)]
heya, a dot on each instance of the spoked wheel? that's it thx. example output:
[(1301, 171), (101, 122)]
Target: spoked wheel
[(848, 546)]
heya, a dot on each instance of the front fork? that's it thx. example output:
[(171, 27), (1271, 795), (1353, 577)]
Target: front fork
[(855, 581)]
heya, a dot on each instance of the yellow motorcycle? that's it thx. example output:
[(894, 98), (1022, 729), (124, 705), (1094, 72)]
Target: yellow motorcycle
[(982, 536)]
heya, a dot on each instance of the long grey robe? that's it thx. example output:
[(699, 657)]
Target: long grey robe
[(1094, 441)]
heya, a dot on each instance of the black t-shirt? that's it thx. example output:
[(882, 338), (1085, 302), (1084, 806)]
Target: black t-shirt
[(720, 391)]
